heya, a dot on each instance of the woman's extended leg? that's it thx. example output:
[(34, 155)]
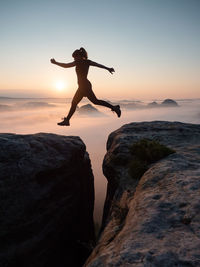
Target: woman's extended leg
[(76, 99), (91, 96)]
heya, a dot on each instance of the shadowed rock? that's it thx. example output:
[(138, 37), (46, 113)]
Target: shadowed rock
[(47, 200), (152, 218)]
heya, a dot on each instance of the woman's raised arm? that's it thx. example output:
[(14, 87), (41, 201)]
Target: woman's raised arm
[(92, 63), (64, 65)]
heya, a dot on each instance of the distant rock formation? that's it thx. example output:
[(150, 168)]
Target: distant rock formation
[(47, 200), (165, 103), (36, 104), (169, 103), (153, 104), (89, 110), (131, 105), (152, 209), (4, 107), (139, 105)]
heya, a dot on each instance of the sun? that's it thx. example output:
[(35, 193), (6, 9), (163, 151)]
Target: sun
[(60, 86)]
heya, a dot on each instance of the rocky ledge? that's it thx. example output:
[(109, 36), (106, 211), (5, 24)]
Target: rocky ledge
[(152, 208), (47, 200)]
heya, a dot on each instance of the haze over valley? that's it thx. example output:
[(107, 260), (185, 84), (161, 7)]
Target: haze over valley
[(25, 115)]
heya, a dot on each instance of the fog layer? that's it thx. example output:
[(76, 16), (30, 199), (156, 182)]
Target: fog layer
[(41, 115)]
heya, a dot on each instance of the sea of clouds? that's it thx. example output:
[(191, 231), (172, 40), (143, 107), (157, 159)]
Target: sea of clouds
[(41, 115)]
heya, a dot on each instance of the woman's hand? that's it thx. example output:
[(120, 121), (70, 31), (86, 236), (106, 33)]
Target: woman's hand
[(111, 70), (53, 61)]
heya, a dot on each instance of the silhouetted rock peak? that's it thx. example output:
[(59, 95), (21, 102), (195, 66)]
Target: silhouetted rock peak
[(47, 201), (89, 110), (165, 103), (153, 104), (169, 102), (151, 213)]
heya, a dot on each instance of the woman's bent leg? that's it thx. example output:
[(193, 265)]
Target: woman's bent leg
[(91, 96)]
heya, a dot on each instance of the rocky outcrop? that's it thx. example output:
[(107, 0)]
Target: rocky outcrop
[(152, 218), (46, 200), (153, 104), (89, 110), (169, 103), (165, 103)]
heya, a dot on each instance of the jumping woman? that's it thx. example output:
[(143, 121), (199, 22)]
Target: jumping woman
[(82, 63)]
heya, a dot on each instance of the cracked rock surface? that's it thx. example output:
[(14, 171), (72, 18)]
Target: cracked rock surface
[(153, 220)]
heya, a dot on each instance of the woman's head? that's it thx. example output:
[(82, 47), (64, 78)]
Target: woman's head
[(80, 54)]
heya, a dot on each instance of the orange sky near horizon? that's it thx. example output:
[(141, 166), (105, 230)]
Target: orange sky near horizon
[(130, 85), (152, 45)]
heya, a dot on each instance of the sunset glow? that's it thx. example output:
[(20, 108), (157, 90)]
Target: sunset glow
[(60, 86), (152, 45)]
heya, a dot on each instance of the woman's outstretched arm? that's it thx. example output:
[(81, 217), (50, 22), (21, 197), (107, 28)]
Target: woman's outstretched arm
[(92, 63), (64, 65)]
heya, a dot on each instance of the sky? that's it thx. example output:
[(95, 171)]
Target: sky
[(153, 46)]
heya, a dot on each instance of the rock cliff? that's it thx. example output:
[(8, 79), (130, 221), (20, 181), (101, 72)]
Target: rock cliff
[(151, 215), (46, 201)]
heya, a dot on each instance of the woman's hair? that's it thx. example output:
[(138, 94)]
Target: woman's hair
[(80, 52)]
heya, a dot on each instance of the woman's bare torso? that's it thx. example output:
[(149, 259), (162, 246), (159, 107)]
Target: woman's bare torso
[(82, 67)]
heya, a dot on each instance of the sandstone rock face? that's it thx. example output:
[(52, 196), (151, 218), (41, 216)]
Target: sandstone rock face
[(46, 201), (154, 220)]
